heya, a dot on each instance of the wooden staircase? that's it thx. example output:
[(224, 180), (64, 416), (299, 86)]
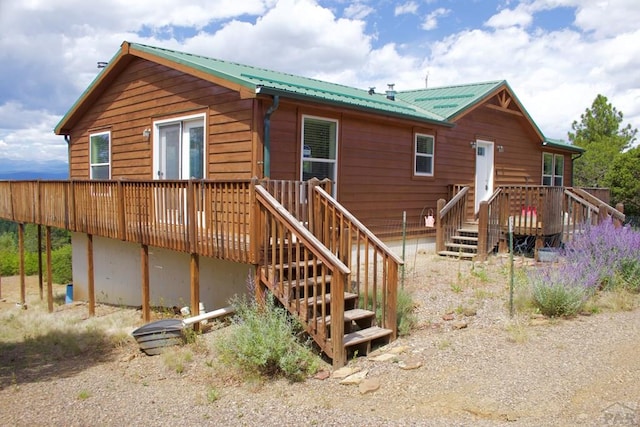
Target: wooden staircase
[(326, 268), (464, 243), (304, 289)]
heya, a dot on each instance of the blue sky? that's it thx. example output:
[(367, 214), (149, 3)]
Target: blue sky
[(557, 55)]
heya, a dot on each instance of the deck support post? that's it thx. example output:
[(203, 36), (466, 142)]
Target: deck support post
[(23, 287), (49, 269), (90, 277), (40, 287), (144, 269), (195, 287), (439, 230), (483, 229)]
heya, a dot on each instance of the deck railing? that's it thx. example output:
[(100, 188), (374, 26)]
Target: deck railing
[(451, 217), (211, 218)]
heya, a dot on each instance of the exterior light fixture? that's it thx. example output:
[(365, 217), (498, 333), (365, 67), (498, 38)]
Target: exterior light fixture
[(473, 144), (146, 134)]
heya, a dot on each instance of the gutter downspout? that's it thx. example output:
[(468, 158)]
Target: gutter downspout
[(267, 136), (67, 139), (573, 166)]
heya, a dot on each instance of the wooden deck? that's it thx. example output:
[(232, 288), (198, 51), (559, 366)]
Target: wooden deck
[(544, 213), (318, 260)]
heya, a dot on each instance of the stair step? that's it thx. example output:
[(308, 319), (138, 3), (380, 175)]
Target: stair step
[(465, 238), (468, 230), (353, 315), (365, 335), (466, 255), (462, 246), (327, 298)]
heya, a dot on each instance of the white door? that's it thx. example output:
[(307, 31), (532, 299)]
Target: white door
[(484, 172), (179, 155), (180, 150)]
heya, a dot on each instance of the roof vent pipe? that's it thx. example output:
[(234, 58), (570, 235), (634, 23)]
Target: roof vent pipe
[(391, 93)]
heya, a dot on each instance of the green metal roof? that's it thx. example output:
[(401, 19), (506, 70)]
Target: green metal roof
[(267, 81), (449, 101), (434, 105), (563, 145)]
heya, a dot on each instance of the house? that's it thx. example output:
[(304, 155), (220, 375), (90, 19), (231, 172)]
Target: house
[(164, 145)]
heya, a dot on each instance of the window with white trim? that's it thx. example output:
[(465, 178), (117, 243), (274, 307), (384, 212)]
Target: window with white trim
[(319, 148), (100, 155), (552, 169), (424, 151)]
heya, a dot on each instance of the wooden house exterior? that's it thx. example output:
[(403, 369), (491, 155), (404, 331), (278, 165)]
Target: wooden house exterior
[(180, 163)]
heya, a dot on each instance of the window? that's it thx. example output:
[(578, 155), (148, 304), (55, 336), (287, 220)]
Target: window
[(100, 155), (552, 169), (179, 148), (424, 155), (319, 149)]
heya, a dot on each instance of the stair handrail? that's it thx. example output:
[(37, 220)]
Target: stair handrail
[(597, 203), (379, 244), (491, 219), (338, 278), (307, 238), (356, 238), (446, 226)]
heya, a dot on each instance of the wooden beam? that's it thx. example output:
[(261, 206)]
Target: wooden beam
[(49, 270), (144, 265), (504, 110), (195, 287), (40, 257), (23, 288), (90, 284)]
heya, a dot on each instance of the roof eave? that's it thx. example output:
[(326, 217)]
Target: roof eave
[(564, 147), (264, 90), (65, 124)]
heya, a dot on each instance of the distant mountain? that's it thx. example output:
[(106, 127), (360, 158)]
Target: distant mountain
[(25, 170)]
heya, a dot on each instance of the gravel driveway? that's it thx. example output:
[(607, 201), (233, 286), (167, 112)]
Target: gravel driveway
[(467, 364)]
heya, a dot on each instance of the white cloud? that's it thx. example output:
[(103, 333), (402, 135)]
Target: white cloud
[(431, 20), (357, 11), (511, 17), (28, 134), (49, 51), (284, 39), (410, 7)]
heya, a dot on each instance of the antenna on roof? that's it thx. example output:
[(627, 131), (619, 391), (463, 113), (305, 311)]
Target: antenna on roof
[(426, 80)]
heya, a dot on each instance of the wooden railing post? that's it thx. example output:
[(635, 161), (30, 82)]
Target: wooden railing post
[(121, 217), (439, 226), (255, 230), (616, 221), (337, 319), (391, 318), (191, 218), (483, 229)]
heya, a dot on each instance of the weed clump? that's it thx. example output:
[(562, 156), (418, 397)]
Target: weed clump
[(263, 342)]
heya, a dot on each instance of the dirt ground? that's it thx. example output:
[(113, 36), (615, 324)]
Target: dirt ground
[(468, 363)]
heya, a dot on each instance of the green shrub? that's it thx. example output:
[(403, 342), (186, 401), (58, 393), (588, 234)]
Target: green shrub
[(557, 299), (629, 275), (61, 265), (405, 311), (263, 342), (406, 317), (8, 263)]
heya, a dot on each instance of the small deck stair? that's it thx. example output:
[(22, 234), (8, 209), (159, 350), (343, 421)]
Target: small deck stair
[(303, 294), (463, 244)]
